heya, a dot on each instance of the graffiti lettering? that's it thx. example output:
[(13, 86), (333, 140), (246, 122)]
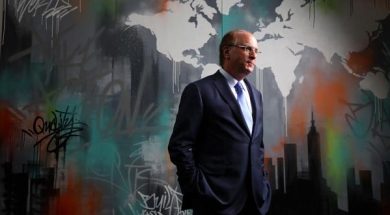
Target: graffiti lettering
[(364, 122), (54, 9), (169, 201), (351, 118), (57, 131), (51, 8)]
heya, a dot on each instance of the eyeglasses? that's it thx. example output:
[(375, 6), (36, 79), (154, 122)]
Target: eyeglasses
[(247, 49)]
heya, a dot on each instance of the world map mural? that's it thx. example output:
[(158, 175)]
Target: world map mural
[(89, 91)]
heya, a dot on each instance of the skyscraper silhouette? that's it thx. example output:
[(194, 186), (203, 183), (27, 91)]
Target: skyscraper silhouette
[(290, 159), (314, 152), (280, 166), (271, 172)]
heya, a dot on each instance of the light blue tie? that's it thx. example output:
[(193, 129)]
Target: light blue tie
[(244, 106)]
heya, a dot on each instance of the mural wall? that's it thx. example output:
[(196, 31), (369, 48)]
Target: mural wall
[(89, 91)]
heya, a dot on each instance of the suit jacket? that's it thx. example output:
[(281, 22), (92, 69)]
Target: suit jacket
[(219, 163)]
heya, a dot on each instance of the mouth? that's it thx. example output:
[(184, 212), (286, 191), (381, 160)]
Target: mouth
[(250, 64)]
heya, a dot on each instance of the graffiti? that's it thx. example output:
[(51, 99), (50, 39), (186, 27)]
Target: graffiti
[(109, 154), (370, 119), (169, 201), (56, 131), (48, 9), (142, 181), (57, 9)]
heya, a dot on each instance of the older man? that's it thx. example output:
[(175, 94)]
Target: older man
[(217, 141)]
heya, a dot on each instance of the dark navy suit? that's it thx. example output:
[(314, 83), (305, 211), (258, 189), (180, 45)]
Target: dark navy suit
[(220, 164)]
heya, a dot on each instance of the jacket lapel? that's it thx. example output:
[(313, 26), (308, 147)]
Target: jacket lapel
[(225, 92), (256, 105)]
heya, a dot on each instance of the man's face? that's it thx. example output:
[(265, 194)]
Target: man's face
[(241, 56)]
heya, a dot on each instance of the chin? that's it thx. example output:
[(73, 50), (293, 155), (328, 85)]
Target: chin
[(249, 70)]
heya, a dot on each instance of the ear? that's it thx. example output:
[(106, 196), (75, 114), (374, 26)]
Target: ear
[(226, 52)]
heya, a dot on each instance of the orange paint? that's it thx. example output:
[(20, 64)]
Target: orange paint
[(322, 92), (298, 122), (163, 5), (279, 148), (6, 123), (78, 198), (9, 124), (328, 95), (361, 62), (299, 110)]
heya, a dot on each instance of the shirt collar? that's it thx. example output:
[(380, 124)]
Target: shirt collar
[(229, 78)]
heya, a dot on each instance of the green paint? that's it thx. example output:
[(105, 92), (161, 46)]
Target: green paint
[(102, 151), (21, 85), (165, 120), (330, 5), (71, 102), (245, 17), (105, 7), (234, 20), (337, 156)]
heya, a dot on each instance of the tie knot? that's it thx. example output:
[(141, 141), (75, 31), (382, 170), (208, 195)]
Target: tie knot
[(238, 88)]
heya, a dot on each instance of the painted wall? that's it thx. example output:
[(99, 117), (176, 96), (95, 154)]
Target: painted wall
[(89, 91)]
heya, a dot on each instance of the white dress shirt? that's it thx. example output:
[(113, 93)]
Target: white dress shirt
[(232, 82)]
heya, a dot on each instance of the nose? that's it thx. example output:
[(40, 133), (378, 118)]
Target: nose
[(252, 54)]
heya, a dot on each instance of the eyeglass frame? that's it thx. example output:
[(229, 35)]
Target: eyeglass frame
[(246, 48)]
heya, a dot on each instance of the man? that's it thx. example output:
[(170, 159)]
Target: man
[(217, 141)]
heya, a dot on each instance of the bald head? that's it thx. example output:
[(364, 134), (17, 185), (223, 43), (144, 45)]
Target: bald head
[(237, 53), (228, 39)]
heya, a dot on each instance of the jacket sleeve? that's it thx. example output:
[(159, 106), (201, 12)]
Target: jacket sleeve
[(184, 137)]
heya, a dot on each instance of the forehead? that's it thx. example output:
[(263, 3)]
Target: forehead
[(245, 38)]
